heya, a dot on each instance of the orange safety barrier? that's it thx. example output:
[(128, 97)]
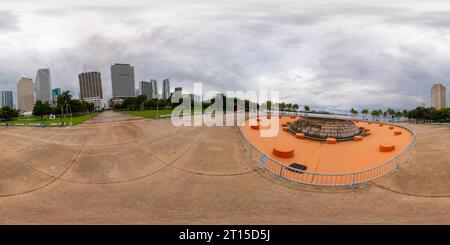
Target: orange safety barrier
[(255, 126), (391, 127), (397, 132)]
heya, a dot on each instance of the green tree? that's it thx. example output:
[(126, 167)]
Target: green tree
[(63, 100), (354, 112), (365, 112), (282, 107), (7, 113), (41, 109)]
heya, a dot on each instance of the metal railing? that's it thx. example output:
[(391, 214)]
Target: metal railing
[(328, 179)]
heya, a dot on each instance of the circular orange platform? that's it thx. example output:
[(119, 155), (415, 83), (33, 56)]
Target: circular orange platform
[(283, 151), (334, 163)]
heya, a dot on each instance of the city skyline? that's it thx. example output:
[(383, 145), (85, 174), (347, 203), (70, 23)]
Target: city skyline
[(366, 57)]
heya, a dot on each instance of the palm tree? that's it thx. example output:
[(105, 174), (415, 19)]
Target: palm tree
[(63, 100), (390, 112), (306, 108), (282, 107), (375, 113), (365, 112), (295, 107), (354, 112), (289, 106)]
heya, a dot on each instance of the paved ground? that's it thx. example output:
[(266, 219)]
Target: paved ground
[(147, 171)]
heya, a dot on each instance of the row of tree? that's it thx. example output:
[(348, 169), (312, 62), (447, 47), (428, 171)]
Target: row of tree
[(65, 106), (7, 113), (420, 113)]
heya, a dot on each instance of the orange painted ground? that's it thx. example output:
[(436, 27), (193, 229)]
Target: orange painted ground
[(343, 157)]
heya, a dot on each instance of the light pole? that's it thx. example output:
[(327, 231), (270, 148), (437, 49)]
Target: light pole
[(157, 109)]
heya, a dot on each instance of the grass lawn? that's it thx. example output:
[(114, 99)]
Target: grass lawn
[(47, 122), (149, 113)]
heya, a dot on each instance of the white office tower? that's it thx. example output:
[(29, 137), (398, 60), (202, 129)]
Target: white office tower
[(43, 86), (145, 88), (166, 89), (155, 94)]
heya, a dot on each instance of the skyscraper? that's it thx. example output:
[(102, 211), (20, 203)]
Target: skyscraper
[(438, 96), (91, 87), (43, 85), (154, 88), (166, 89), (122, 81), (145, 88), (25, 94), (55, 93), (6, 99)]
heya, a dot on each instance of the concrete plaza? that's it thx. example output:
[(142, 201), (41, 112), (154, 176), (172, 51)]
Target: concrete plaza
[(122, 169)]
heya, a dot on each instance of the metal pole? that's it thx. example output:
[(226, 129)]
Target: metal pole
[(157, 109)]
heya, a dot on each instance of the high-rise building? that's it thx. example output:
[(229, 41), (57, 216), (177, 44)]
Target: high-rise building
[(122, 81), (91, 87), (43, 85), (166, 89), (55, 93), (6, 99), (178, 89), (438, 96), (25, 94), (145, 88), (154, 89)]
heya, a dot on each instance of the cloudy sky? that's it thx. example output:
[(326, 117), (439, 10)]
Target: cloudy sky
[(327, 54)]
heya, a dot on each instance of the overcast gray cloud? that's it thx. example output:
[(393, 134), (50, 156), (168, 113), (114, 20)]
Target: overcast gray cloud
[(328, 54)]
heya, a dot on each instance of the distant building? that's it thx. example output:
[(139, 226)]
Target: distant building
[(154, 89), (25, 94), (178, 89), (55, 93), (43, 85), (438, 96), (146, 88), (122, 81), (166, 89), (91, 88), (195, 97), (6, 99)]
